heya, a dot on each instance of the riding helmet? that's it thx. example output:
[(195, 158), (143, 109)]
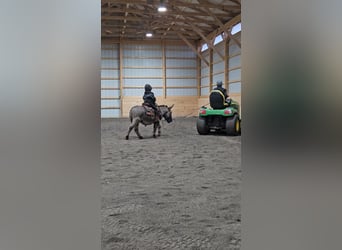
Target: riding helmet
[(219, 84), (148, 87)]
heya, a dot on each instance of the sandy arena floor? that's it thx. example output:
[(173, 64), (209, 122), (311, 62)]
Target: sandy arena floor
[(178, 191)]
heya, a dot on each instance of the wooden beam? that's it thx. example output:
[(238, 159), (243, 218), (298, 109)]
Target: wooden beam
[(175, 3), (108, 107), (164, 67), (226, 30), (238, 43), (110, 98), (192, 47), (173, 12), (207, 40), (198, 64), (226, 65), (227, 25), (207, 5), (211, 70), (121, 74)]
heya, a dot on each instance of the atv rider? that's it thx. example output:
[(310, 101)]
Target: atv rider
[(150, 99), (222, 89), (219, 98)]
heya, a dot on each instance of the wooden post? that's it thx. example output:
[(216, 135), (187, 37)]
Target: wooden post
[(164, 67), (226, 64), (211, 63), (121, 76), (199, 68)]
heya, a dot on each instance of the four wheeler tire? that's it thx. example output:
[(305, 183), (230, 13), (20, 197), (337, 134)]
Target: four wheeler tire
[(202, 126), (233, 125)]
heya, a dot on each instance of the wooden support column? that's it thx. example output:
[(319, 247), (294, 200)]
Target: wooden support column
[(164, 67), (121, 75), (226, 64), (211, 57), (199, 68)]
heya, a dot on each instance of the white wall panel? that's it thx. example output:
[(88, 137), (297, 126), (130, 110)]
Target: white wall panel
[(235, 75), (142, 53), (110, 113), (235, 87), (143, 47), (181, 73), (110, 103), (130, 72), (141, 82), (218, 77), (235, 61), (205, 91), (110, 93), (109, 73), (135, 62), (140, 92), (184, 53), (181, 82), (110, 83), (181, 92), (234, 49), (218, 67), (180, 63), (112, 63)]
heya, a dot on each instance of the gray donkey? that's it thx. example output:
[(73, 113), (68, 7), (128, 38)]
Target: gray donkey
[(146, 116)]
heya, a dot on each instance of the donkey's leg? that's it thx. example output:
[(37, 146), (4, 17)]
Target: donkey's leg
[(133, 124), (155, 125), (136, 129), (159, 127)]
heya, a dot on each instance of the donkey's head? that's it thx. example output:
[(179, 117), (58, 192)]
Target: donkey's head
[(166, 112)]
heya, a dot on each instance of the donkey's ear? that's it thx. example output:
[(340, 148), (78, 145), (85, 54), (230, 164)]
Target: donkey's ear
[(171, 106)]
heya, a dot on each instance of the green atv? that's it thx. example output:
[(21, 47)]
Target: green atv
[(226, 119)]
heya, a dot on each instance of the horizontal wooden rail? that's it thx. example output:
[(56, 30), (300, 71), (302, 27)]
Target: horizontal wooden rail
[(217, 62), (140, 49), (108, 107), (109, 88), (109, 68), (110, 78), (141, 87), (109, 58), (181, 87), (142, 57), (181, 77), (171, 67), (110, 98), (218, 72), (234, 81), (141, 67), (235, 55), (181, 58), (142, 77), (235, 68)]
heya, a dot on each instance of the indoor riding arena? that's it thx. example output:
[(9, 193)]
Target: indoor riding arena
[(179, 190)]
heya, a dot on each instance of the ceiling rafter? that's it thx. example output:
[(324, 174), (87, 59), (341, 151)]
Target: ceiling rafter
[(207, 40), (193, 48), (227, 31), (130, 19)]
